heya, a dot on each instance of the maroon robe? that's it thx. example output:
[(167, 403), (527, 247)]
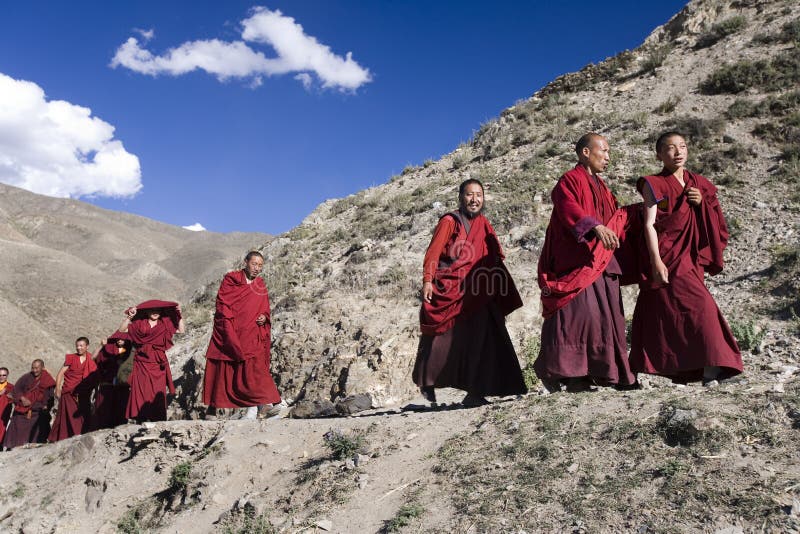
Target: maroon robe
[(238, 356), (30, 424), (151, 376), (583, 334), (112, 397), (464, 342), (5, 408), (677, 328), (74, 405)]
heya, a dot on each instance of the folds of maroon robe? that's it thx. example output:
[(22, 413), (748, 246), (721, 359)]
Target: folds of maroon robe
[(112, 397), (5, 408), (583, 333), (238, 357), (30, 424), (151, 376), (464, 342), (678, 329), (74, 405)]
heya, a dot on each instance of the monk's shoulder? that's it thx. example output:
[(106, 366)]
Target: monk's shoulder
[(704, 183)]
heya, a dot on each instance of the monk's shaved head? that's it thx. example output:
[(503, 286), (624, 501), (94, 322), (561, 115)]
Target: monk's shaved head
[(586, 142), (39, 361), (251, 254), (666, 136)]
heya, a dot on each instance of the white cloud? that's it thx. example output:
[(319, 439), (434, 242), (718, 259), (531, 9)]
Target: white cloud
[(59, 149), (295, 52), (146, 34), (196, 227)]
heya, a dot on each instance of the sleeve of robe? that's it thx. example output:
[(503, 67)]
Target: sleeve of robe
[(223, 320), (441, 235), (569, 210), (712, 228)]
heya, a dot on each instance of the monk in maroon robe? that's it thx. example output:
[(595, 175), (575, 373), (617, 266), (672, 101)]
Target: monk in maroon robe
[(150, 327), (112, 393), (6, 388), (678, 330), (238, 357), (583, 334), (466, 294), (32, 397), (73, 393)]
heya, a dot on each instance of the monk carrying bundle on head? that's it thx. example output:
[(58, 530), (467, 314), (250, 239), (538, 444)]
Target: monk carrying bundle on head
[(238, 356), (73, 393), (150, 326), (466, 294), (583, 334), (32, 396)]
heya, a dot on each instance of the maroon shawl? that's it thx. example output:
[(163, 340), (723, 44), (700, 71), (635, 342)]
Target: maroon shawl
[(37, 390), (236, 335), (475, 276)]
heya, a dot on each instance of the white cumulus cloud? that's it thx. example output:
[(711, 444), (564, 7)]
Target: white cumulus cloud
[(196, 227), (59, 149), (294, 52)]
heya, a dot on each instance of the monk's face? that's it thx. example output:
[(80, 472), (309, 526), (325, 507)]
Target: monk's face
[(3, 376), (154, 315), (595, 156), (120, 342), (36, 368), (673, 153), (80, 347), (472, 200), (253, 267)]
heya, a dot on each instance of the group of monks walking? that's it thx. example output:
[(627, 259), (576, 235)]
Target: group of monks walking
[(665, 244), (592, 246)]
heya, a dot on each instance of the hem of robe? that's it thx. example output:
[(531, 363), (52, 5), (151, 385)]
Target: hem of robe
[(148, 396), (455, 358), (230, 384), (110, 404), (69, 420), (678, 330), (22, 430), (597, 316)]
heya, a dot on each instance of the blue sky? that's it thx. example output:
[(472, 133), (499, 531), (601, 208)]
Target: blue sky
[(259, 152)]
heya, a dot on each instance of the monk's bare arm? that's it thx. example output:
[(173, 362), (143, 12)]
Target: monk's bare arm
[(660, 273), (181, 325), (60, 380), (129, 314)]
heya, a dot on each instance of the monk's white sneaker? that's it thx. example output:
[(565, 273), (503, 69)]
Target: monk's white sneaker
[(252, 413)]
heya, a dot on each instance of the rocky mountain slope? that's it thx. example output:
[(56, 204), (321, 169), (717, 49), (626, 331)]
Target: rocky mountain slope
[(344, 286), (69, 268), (345, 282)]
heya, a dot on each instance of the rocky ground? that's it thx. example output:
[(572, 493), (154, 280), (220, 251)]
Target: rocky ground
[(344, 290)]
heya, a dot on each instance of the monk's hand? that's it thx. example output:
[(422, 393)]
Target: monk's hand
[(130, 312), (606, 236), (24, 400), (427, 291), (694, 196), (261, 320), (660, 273)]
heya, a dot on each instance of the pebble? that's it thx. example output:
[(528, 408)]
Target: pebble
[(324, 524)]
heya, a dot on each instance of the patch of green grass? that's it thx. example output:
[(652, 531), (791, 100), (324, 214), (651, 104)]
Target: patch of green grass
[(721, 30), (667, 106), (404, 517), (247, 521), (781, 72), (19, 491)]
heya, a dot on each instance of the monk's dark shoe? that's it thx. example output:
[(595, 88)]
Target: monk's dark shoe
[(579, 385), (628, 387), (429, 393), (473, 401)]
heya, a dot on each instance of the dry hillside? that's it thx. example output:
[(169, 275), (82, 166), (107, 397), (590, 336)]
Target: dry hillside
[(344, 286), (69, 268)]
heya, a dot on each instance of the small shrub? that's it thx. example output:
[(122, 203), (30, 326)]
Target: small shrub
[(721, 30), (667, 106), (19, 491), (179, 476), (747, 335), (742, 108), (342, 445), (655, 58), (247, 522), (531, 351)]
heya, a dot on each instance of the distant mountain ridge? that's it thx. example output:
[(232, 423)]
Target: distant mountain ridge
[(69, 268)]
